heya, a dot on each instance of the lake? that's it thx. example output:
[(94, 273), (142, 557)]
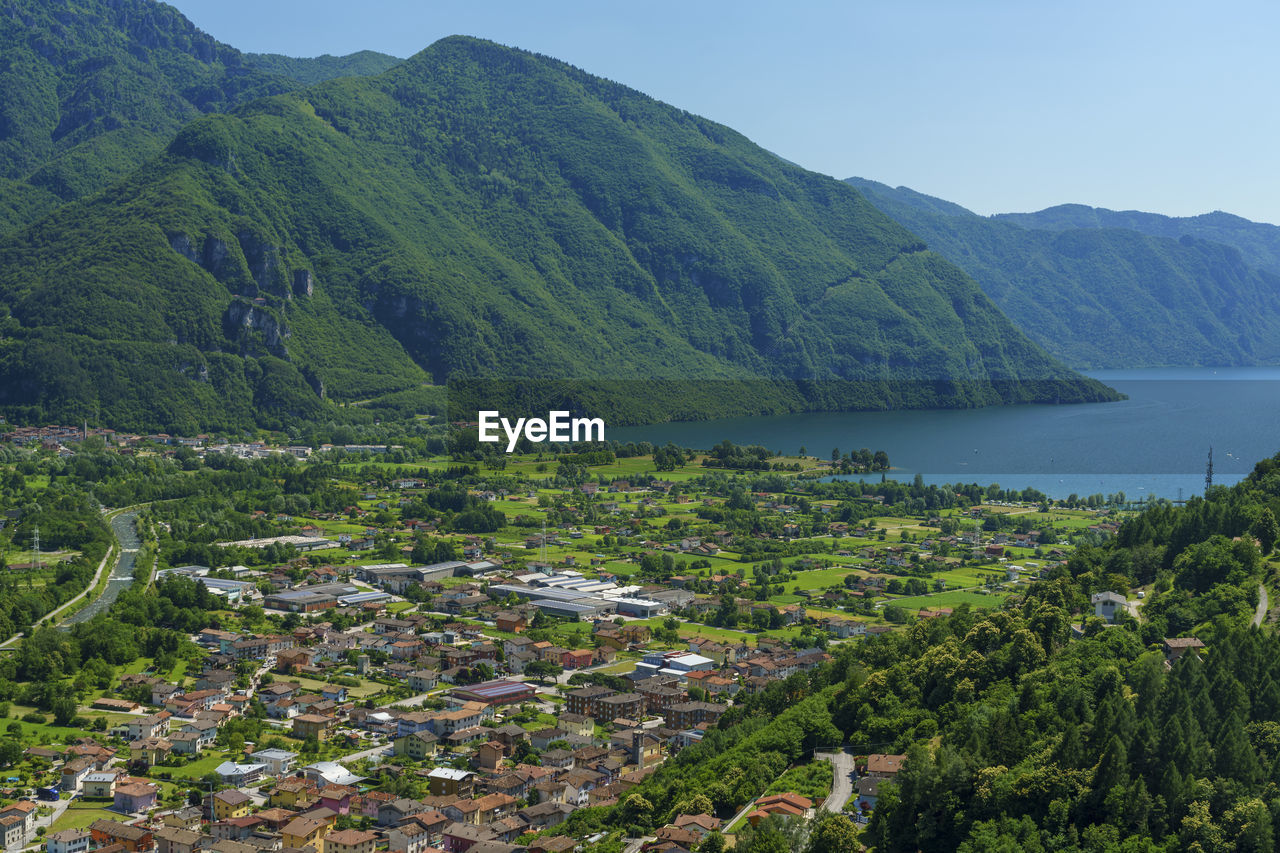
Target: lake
[(1154, 443)]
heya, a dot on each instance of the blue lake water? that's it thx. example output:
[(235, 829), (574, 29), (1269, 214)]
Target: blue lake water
[(1154, 443)]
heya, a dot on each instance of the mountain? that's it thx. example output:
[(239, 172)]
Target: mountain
[(482, 212), (364, 63), (93, 89), (1110, 296), (1258, 242)]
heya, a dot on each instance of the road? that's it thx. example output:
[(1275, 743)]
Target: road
[(34, 842), (93, 584), (842, 782), (1133, 606), (382, 750), (1261, 612)]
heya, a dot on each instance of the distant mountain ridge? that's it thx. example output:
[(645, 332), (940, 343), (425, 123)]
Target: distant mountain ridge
[(317, 69), (1258, 242), (1102, 289), (482, 212)]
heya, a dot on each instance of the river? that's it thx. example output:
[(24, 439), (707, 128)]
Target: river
[(126, 532), (1155, 443)]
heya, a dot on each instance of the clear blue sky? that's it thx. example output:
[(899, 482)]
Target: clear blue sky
[(999, 106)]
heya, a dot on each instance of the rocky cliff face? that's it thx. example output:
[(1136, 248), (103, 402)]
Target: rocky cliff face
[(256, 328), (248, 266)]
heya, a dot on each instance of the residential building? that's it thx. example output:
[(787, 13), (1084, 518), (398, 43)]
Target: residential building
[(11, 832), (422, 680), (337, 798), (135, 797), (186, 743), (172, 839), (228, 804), (68, 841), (240, 774), (409, 837), (279, 762), (312, 725), (99, 785), (417, 746), (867, 792), (350, 841), (881, 766), (305, 832), (1107, 604), (447, 781), (134, 839)]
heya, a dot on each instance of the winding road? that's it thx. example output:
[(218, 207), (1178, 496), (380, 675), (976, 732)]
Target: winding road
[(842, 768)]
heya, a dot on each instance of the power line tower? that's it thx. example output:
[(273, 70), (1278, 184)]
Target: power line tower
[(543, 553), (1208, 473), (35, 546)]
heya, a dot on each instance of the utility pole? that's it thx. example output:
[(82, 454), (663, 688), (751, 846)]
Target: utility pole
[(1208, 473)]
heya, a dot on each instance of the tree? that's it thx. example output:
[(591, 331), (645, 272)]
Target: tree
[(1266, 530), (64, 710), (695, 805), (767, 837), (727, 614), (833, 834), (714, 842), (543, 669), (10, 752), (636, 809)]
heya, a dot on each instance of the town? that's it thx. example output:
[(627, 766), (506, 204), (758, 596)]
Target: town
[(469, 654)]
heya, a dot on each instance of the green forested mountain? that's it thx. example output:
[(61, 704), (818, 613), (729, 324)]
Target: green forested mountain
[(1258, 242), (92, 89), (317, 69), (1100, 292), (479, 211)]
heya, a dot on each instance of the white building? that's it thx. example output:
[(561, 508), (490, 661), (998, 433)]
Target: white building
[(68, 841), (240, 774), (279, 761), (330, 773), (1106, 604)]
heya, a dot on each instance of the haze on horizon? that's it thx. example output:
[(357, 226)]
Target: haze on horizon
[(999, 106)]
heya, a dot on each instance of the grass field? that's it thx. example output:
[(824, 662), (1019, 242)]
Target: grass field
[(366, 688), (208, 760), (619, 668), (81, 815), (950, 599), (969, 575)]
